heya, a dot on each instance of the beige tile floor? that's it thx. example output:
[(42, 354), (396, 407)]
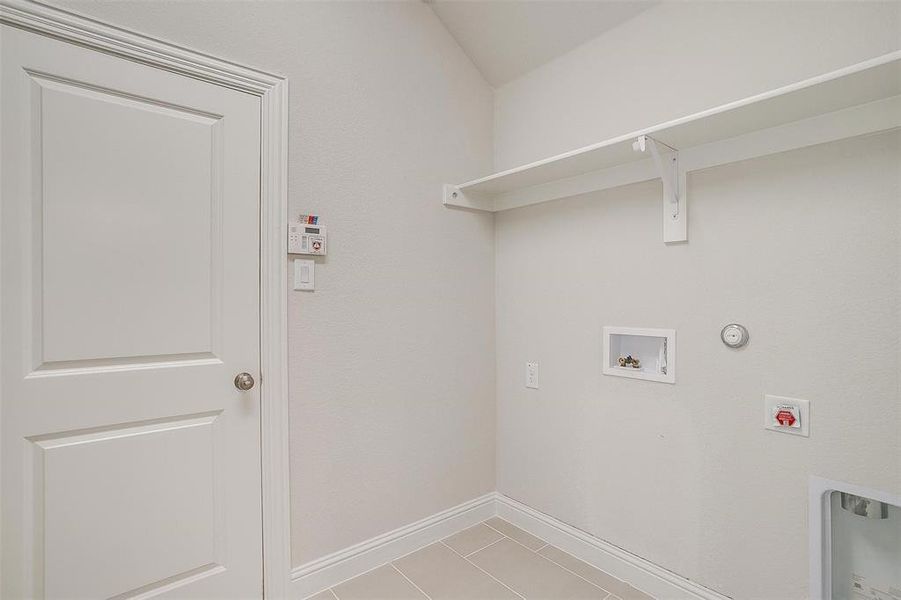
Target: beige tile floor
[(492, 561)]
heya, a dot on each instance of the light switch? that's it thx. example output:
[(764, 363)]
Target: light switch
[(304, 274)]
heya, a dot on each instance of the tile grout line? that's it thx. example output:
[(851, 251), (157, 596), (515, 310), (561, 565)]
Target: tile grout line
[(413, 583), (460, 554), (351, 578), (609, 596), (609, 593), (390, 562), (518, 595), (485, 523), (558, 564), (328, 591), (482, 548), (564, 568)]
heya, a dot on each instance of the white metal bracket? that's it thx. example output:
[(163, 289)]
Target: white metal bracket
[(454, 196), (675, 222)]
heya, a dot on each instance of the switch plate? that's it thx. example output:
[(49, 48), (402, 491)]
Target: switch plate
[(532, 375), (304, 274), (799, 408)]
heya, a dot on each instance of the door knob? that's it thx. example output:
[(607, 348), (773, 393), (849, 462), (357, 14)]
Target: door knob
[(243, 381)]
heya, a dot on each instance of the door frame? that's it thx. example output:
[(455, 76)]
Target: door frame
[(272, 90)]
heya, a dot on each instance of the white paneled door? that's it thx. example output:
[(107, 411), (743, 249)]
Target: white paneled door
[(129, 302)]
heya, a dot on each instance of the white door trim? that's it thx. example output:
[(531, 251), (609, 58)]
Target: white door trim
[(273, 93)]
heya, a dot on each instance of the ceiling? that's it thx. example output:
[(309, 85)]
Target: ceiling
[(507, 38)]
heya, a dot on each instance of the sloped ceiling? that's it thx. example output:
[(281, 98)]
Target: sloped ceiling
[(507, 38)]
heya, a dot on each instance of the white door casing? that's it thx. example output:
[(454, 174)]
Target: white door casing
[(130, 298)]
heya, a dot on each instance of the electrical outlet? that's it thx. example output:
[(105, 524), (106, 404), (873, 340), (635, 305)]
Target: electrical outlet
[(532, 375), (786, 415)]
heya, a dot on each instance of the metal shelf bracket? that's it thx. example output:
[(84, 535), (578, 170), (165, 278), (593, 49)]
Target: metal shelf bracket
[(454, 196), (666, 160)]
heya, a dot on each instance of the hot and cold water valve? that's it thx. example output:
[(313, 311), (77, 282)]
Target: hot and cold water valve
[(640, 353)]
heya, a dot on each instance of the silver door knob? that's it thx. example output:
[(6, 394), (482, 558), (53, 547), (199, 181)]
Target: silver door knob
[(243, 381)]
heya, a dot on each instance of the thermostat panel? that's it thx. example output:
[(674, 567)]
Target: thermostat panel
[(304, 238)]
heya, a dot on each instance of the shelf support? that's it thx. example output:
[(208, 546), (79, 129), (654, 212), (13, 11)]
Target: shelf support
[(454, 196), (674, 198)]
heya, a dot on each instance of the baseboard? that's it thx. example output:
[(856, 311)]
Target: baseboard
[(330, 570), (638, 572)]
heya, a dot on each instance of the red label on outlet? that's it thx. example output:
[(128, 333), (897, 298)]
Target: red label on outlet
[(785, 418)]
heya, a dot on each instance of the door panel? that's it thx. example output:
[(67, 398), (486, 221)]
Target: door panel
[(129, 202), (129, 299), (112, 475)]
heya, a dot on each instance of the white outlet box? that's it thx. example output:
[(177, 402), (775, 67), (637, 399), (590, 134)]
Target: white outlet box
[(797, 407), (655, 350), (532, 375)]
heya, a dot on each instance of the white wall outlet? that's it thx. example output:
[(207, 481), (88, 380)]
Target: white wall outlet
[(304, 274), (532, 375), (786, 415)]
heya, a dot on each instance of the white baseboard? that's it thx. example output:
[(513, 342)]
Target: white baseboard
[(638, 572), (330, 570)]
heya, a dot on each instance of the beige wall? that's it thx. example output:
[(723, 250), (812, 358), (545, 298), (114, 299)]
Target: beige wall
[(392, 358), (393, 378), (801, 247), (679, 58)]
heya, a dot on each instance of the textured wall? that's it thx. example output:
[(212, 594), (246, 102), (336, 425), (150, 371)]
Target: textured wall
[(678, 58), (393, 378), (801, 247), (392, 358)]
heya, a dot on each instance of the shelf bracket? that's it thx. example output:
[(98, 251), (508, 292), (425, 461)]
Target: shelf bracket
[(674, 198), (454, 196)]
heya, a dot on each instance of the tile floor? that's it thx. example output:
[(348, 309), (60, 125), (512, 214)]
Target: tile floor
[(492, 561)]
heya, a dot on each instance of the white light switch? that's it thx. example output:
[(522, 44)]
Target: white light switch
[(532, 375), (787, 415), (304, 274)]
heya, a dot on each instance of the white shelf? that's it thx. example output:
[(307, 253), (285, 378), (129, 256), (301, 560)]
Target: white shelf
[(860, 99)]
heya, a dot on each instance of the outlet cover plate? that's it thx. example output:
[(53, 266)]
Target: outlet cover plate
[(769, 421), (532, 375)]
